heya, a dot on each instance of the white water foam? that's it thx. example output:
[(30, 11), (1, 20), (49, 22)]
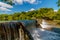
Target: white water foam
[(39, 34), (45, 24)]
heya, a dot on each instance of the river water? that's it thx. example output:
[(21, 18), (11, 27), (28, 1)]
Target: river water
[(42, 34), (36, 33)]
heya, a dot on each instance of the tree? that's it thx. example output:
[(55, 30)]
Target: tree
[(42, 12), (10, 17), (36, 14), (58, 3), (16, 16), (4, 17), (8, 1), (58, 15), (50, 14)]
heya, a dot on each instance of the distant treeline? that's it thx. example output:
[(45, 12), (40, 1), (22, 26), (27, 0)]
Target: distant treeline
[(35, 14)]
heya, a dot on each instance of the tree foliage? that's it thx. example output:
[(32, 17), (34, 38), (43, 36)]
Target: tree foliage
[(58, 3), (36, 14), (8, 1)]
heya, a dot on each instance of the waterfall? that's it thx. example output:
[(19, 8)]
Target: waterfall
[(25, 30), (14, 30), (45, 24), (39, 34), (9, 31)]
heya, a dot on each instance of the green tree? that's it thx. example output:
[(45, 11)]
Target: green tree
[(57, 16), (8, 1), (58, 3), (10, 17), (4, 16)]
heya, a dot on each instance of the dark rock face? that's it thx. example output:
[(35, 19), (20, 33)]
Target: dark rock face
[(14, 31)]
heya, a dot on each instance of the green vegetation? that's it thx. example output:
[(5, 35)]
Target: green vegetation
[(58, 3), (36, 14)]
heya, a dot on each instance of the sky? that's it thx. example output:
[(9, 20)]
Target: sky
[(27, 5)]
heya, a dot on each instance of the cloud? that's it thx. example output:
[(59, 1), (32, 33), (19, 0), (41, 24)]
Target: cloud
[(31, 9), (29, 1), (5, 5), (37, 2), (4, 9), (18, 1), (55, 10)]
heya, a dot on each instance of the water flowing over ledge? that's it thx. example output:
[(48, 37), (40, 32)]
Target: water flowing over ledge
[(25, 30), (14, 30)]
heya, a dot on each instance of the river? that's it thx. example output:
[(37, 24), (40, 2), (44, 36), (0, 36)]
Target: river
[(30, 25), (42, 34)]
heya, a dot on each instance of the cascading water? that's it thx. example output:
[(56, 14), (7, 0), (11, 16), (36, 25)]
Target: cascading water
[(42, 34), (45, 24), (13, 31), (39, 34)]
